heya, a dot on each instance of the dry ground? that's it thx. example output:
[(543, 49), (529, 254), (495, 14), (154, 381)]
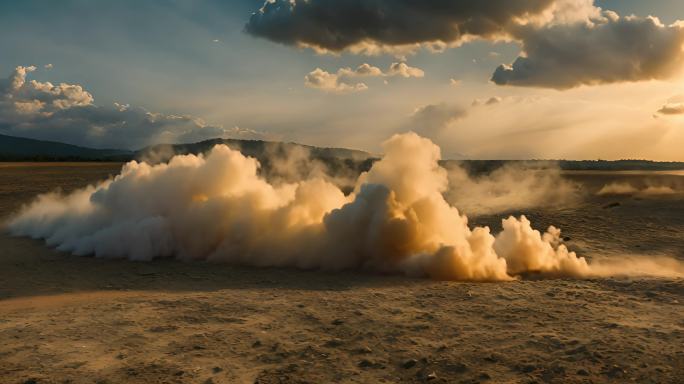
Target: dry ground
[(66, 319)]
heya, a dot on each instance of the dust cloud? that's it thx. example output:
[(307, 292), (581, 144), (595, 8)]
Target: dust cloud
[(216, 207), (511, 187), (627, 189)]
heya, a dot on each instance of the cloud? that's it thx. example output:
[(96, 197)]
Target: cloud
[(672, 109), (68, 113), (607, 50), (432, 119), (331, 82), (386, 25), (403, 70), (435, 120), (489, 101), (560, 126), (364, 69), (565, 43), (33, 97), (342, 80)]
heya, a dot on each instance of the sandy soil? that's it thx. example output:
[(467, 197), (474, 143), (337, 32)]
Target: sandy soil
[(66, 319)]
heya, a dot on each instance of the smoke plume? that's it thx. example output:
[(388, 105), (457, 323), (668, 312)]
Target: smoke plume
[(217, 208)]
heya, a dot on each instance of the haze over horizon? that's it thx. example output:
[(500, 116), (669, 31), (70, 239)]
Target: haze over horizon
[(575, 79)]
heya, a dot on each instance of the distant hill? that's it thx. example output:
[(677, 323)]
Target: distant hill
[(336, 159), (279, 161), (486, 166), (259, 149), (21, 149), (622, 165)]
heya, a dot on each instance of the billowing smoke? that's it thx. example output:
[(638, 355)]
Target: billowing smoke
[(217, 208)]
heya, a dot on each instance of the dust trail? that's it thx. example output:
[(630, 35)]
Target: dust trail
[(511, 187), (627, 189), (641, 265), (217, 208)]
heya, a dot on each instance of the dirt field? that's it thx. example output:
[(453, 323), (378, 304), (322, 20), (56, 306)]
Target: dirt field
[(66, 319)]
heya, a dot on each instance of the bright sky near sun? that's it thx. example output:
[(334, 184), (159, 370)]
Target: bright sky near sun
[(496, 79)]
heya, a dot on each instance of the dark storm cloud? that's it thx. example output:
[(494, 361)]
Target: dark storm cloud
[(335, 25), (67, 113), (609, 51), (565, 43)]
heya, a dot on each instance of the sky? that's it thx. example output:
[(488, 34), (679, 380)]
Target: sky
[(503, 79)]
